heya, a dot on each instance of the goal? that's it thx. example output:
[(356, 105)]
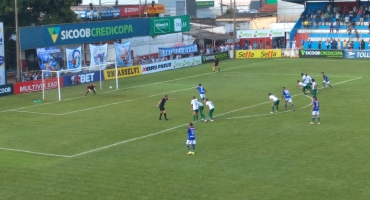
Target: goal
[(72, 84)]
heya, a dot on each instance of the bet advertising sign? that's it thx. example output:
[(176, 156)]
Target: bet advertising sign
[(37, 85), (273, 53), (157, 67), (7, 89), (166, 25), (187, 62), (123, 72), (321, 53), (260, 33), (61, 34), (210, 57), (82, 78), (357, 55)]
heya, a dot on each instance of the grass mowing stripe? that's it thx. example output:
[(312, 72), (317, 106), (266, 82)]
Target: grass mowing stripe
[(141, 85)]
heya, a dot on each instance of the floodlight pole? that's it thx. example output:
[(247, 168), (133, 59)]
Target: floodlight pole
[(17, 42), (234, 33)]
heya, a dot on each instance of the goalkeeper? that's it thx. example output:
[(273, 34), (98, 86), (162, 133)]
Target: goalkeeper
[(90, 88)]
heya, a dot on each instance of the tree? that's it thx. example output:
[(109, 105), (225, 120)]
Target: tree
[(33, 12)]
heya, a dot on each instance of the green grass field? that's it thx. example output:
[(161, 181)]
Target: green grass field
[(112, 145)]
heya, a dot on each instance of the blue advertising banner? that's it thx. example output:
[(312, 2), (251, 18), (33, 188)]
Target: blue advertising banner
[(123, 54), (6, 89), (61, 34), (357, 55), (94, 14), (49, 58), (81, 78)]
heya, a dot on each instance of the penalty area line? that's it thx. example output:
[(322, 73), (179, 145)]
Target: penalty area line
[(38, 153)]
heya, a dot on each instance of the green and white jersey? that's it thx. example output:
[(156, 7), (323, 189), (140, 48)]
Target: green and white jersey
[(273, 98), (210, 105), (200, 104)]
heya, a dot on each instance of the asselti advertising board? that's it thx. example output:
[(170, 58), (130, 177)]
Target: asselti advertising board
[(61, 34), (321, 53), (123, 72), (357, 55), (273, 53), (210, 57), (157, 67)]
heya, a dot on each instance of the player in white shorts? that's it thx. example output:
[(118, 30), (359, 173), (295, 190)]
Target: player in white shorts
[(194, 106), (287, 98)]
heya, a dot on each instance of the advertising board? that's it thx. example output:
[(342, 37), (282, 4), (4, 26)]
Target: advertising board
[(321, 53), (123, 72), (33, 86), (210, 57), (268, 53)]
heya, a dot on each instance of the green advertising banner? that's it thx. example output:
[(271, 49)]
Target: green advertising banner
[(165, 25), (204, 4)]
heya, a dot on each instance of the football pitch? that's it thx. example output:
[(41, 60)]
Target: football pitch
[(112, 146)]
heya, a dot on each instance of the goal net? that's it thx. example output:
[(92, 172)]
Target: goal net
[(72, 84)]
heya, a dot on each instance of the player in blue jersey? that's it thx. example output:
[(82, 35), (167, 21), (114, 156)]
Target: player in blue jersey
[(191, 139), (326, 80), (315, 110), (202, 92), (287, 98)]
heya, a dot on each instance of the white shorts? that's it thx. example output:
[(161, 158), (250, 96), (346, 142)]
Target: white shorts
[(188, 142), (327, 82), (289, 100), (317, 113), (202, 96)]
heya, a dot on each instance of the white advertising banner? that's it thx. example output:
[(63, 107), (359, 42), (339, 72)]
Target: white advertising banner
[(2, 55), (187, 62), (157, 67), (260, 33), (74, 58), (98, 55)]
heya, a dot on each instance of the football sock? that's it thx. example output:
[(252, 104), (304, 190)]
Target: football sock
[(272, 109), (323, 84), (196, 117), (293, 106), (330, 86), (193, 118), (285, 106), (188, 146), (193, 147), (203, 116), (277, 108), (160, 116), (313, 118), (165, 115)]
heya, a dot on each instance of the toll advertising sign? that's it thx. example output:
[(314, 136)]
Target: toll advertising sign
[(357, 55), (33, 86)]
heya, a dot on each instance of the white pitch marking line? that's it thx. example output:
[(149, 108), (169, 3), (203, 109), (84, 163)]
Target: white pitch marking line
[(285, 111), (32, 152), (145, 136), (105, 105), (138, 86), (277, 74), (40, 113)]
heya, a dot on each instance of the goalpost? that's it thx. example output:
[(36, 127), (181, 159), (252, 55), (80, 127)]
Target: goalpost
[(72, 83)]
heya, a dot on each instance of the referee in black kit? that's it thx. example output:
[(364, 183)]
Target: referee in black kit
[(216, 65), (161, 106)]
